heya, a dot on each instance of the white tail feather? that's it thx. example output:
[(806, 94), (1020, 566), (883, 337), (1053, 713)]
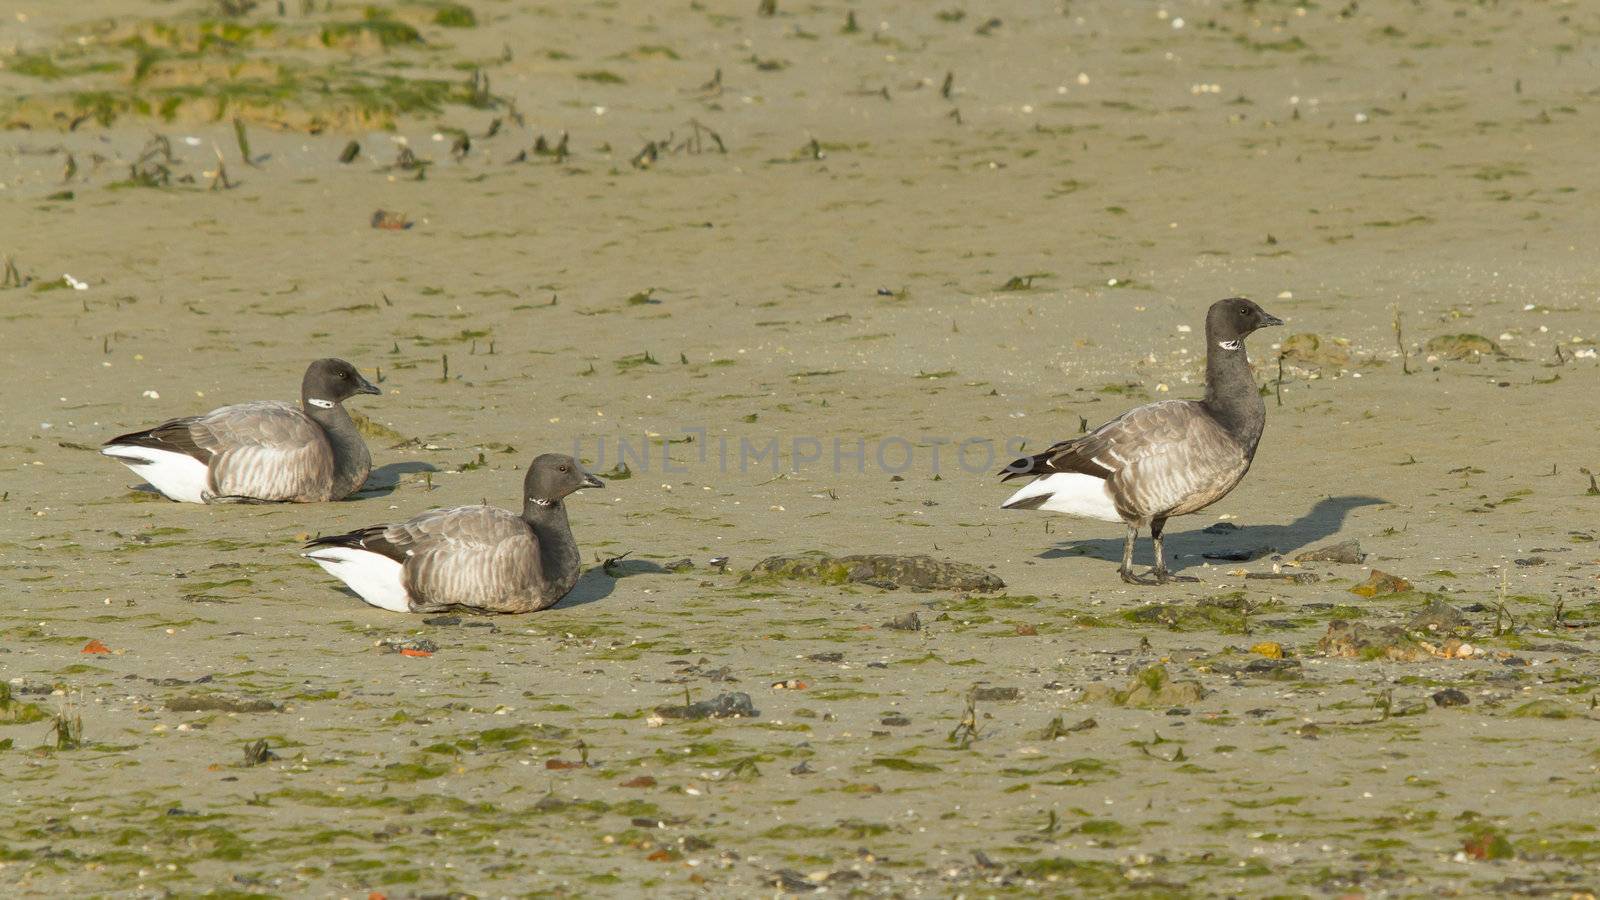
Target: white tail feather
[(376, 577), (177, 475), (1072, 493)]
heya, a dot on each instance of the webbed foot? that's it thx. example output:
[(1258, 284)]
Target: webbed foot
[(1130, 578)]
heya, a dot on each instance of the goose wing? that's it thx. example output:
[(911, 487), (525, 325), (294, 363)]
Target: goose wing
[(265, 450), (1165, 458), (1110, 448), (174, 435), (474, 556)]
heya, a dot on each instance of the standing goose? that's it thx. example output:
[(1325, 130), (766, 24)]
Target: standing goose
[(260, 451), (479, 558), (1163, 459)]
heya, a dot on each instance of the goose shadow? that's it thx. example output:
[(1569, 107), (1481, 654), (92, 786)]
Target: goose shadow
[(1324, 519), (382, 481), (599, 581), (592, 587)]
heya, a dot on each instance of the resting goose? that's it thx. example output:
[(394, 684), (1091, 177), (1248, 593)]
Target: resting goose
[(260, 451), (1164, 459), (478, 558)]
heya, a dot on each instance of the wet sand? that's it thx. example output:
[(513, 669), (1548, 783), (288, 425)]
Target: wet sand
[(839, 273)]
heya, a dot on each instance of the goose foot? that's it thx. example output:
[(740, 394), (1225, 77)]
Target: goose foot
[(1130, 578)]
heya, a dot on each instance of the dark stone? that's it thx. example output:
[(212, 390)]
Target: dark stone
[(1257, 666), (422, 645), (1451, 697), (163, 682), (1288, 577), (219, 703), (792, 881), (258, 752), (1558, 648), (1342, 552), (908, 622), (1356, 641), (1261, 668), (1379, 583), (996, 694), (1240, 555), (722, 706), (1438, 617)]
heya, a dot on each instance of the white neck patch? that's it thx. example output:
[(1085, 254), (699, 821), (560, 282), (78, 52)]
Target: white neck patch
[(1230, 345), (544, 502), (320, 404)]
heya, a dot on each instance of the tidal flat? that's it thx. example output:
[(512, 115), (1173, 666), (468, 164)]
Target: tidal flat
[(794, 277)]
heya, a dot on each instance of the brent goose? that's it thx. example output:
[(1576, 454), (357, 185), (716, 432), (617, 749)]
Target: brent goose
[(1162, 459), (477, 558), (260, 451)]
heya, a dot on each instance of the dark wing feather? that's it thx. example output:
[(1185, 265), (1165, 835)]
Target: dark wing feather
[(1109, 448), (1065, 456), (382, 539), (176, 436)]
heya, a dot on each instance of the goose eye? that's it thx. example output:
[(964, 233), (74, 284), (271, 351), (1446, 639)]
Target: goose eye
[(563, 468)]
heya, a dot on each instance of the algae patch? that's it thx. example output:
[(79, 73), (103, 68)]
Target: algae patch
[(919, 573), (1151, 687)]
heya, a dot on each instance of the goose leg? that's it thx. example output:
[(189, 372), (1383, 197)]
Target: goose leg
[(1162, 575), (1127, 559)]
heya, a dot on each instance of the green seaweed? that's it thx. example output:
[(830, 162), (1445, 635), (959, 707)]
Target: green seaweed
[(897, 764), (17, 712), (455, 15)]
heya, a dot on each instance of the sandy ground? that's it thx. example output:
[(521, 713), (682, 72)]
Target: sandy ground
[(1337, 164)]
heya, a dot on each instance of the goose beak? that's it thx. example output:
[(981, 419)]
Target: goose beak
[(367, 387), (1269, 319), (589, 481)]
